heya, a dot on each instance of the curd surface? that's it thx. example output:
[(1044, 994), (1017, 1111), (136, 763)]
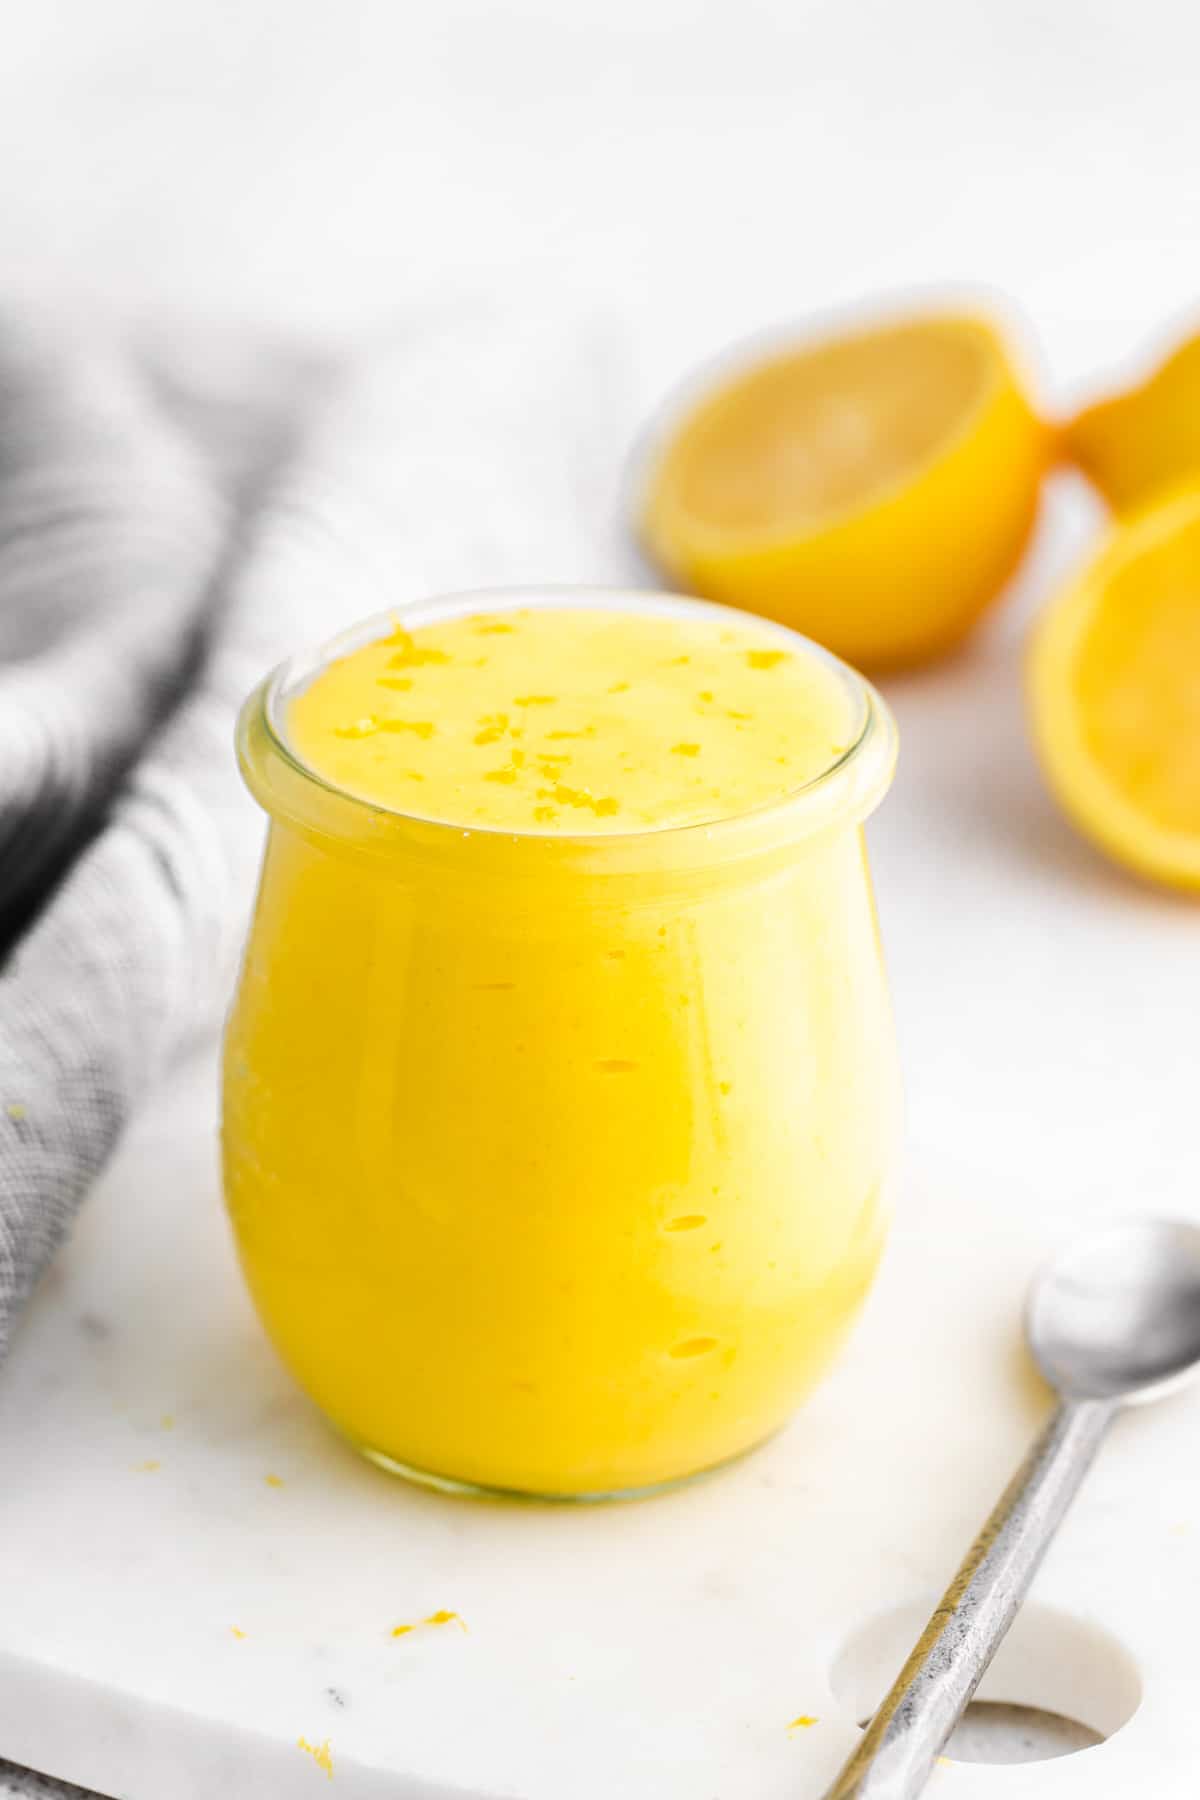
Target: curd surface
[(579, 720)]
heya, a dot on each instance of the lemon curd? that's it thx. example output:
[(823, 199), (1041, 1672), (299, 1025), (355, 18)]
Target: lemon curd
[(559, 1084)]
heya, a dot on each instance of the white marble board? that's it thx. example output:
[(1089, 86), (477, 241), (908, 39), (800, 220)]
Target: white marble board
[(167, 1488)]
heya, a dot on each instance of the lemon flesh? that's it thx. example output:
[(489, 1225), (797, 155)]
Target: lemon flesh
[(1115, 692)]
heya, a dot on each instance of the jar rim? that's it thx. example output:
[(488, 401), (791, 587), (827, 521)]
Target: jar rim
[(849, 787)]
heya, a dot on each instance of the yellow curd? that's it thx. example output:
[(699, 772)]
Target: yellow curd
[(559, 1083)]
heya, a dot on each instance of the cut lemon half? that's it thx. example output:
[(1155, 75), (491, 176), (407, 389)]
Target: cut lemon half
[(874, 490), (1147, 437), (1114, 688)]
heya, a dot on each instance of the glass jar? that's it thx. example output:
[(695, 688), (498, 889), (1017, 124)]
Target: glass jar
[(557, 1164)]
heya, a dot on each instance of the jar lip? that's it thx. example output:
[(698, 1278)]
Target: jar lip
[(873, 731)]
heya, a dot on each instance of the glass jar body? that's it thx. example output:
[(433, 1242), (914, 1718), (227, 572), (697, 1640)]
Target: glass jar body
[(566, 1183)]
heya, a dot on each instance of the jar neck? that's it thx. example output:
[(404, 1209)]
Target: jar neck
[(344, 823)]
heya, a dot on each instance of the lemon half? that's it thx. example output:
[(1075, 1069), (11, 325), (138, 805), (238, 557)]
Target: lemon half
[(874, 490), (1146, 438), (1114, 689)]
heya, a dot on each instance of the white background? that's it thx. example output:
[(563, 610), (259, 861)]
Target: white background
[(727, 164)]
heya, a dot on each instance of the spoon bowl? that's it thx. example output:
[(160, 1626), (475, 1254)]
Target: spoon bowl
[(1116, 1314)]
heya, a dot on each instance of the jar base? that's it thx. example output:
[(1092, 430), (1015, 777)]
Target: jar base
[(477, 1490)]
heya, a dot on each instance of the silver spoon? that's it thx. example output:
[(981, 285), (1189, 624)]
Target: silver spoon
[(1113, 1321)]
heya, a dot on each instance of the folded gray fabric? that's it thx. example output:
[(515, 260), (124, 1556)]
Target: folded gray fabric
[(110, 529), (22, 1784), (476, 448)]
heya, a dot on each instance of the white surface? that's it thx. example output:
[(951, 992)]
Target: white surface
[(657, 1652), (319, 164), (723, 165)]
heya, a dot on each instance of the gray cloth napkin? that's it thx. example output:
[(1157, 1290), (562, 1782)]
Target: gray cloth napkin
[(23, 1784), (175, 517)]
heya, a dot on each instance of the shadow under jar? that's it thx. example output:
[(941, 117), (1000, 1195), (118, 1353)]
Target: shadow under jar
[(557, 1162)]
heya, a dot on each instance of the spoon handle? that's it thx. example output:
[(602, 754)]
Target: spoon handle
[(900, 1745)]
